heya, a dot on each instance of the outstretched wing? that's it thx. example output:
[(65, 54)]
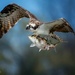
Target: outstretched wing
[(10, 15), (60, 25)]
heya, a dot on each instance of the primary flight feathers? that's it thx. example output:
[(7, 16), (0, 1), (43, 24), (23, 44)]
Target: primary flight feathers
[(12, 13)]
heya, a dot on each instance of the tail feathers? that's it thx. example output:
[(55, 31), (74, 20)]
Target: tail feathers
[(73, 32)]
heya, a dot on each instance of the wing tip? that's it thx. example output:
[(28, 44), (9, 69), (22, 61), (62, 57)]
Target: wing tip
[(65, 21), (74, 33)]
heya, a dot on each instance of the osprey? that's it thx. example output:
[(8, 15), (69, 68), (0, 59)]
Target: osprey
[(48, 29), (13, 12)]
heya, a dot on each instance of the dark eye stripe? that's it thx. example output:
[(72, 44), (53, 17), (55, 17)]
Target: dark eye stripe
[(35, 27)]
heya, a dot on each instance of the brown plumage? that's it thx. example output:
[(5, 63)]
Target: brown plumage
[(13, 12), (48, 29), (63, 27), (10, 15)]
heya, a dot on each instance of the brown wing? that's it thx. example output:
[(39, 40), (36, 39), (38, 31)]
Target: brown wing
[(61, 25), (10, 15)]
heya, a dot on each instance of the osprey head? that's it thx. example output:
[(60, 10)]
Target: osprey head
[(33, 25)]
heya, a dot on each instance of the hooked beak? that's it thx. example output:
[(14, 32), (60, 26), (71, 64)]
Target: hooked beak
[(27, 27)]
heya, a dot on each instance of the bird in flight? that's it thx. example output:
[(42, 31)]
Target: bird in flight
[(48, 29), (13, 12)]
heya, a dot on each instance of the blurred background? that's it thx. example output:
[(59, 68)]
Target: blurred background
[(16, 56)]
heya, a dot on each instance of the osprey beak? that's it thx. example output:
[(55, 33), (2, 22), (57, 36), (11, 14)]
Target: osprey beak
[(27, 27)]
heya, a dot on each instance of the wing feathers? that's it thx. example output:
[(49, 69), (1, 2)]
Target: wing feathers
[(61, 25), (10, 15)]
